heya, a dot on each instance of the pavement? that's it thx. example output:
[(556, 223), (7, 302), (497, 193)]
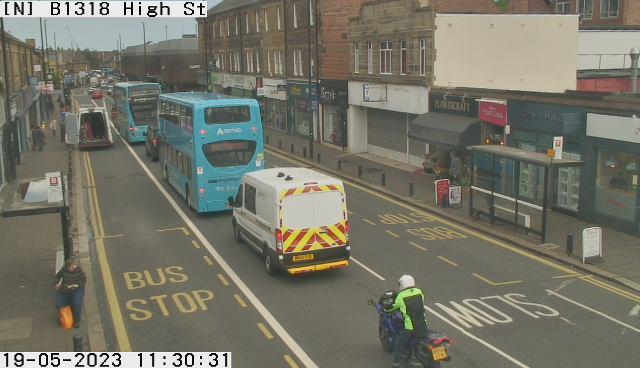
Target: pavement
[(621, 251), (30, 250)]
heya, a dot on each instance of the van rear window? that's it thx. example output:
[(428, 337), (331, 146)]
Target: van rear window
[(312, 210)]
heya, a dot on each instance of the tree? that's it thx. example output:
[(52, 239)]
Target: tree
[(91, 56)]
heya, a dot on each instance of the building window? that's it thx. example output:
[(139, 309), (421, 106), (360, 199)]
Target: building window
[(278, 19), (237, 61), (313, 66), (300, 62), (280, 63), (246, 21), (266, 20), (423, 57), (295, 62), (386, 49), (269, 62), (221, 29), (237, 28), (563, 7), (213, 29), (608, 8), (403, 57), (585, 8), (312, 14), (232, 65), (295, 16), (247, 61), (370, 57), (228, 28), (356, 58), (257, 61), (257, 21)]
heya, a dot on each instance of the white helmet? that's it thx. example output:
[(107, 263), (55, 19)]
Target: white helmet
[(406, 281)]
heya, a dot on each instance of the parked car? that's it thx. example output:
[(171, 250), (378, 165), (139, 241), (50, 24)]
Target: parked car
[(97, 94), (152, 144), (110, 90)]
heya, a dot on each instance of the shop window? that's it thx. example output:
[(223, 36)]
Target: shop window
[(332, 125), (617, 184)]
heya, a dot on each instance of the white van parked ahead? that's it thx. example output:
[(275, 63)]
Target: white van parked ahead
[(295, 217)]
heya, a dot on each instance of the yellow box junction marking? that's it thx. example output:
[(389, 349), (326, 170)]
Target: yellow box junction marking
[(208, 260), (492, 283), (195, 244), (418, 246), (240, 300), (290, 361), (392, 233), (444, 259), (369, 222), (223, 280), (265, 331), (112, 298)]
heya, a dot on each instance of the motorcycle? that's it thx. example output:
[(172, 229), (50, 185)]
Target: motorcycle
[(426, 352)]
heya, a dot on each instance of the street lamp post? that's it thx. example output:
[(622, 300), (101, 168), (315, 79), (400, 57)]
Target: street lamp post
[(635, 53), (144, 41)]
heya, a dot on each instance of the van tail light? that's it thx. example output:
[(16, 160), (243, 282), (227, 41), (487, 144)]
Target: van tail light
[(202, 190), (279, 241), (347, 229), (133, 129), (156, 141)]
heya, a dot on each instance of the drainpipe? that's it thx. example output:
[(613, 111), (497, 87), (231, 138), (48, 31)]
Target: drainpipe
[(634, 69)]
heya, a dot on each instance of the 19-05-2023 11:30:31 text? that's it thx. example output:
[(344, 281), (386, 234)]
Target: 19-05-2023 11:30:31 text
[(116, 360)]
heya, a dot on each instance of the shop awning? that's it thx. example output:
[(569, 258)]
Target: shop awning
[(447, 129)]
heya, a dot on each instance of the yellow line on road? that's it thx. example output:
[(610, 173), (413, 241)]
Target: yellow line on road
[(223, 280), (265, 331), (496, 283), (195, 244), (112, 298), (611, 288), (418, 246), (240, 301), (290, 361), (566, 276), (111, 236), (208, 260), (369, 222), (448, 261), (392, 233)]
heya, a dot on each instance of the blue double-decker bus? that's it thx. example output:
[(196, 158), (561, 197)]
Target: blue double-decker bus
[(135, 106), (208, 141)]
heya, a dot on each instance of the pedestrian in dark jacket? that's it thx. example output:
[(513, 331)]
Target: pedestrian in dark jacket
[(69, 283)]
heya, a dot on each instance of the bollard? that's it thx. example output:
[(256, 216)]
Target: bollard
[(291, 147), (304, 152), (319, 158), (267, 139), (383, 179), (77, 343), (411, 190), (339, 164), (359, 171), (279, 143), (569, 243)]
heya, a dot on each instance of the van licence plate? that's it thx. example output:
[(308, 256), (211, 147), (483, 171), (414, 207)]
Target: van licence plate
[(303, 257)]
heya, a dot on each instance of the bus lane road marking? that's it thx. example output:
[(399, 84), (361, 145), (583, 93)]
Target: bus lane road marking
[(252, 298)]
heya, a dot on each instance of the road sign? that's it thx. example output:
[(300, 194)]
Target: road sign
[(558, 143), (591, 243), (54, 187)]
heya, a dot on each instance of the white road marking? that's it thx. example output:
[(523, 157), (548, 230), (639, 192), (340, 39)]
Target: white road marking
[(594, 311), (474, 337), (367, 268), (635, 311), (269, 318)]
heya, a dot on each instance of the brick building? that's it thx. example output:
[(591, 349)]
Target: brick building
[(602, 13)]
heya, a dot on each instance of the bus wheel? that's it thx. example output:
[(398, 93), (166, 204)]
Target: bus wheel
[(187, 196), (236, 233), (165, 174), (268, 261)]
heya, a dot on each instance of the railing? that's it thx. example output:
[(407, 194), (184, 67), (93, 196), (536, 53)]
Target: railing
[(604, 61)]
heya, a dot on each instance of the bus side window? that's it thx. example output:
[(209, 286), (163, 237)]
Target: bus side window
[(189, 119), (239, 197)]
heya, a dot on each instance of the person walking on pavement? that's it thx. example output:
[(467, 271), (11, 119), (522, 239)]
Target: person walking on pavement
[(69, 283)]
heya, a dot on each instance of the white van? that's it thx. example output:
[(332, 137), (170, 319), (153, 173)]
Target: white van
[(88, 127), (295, 217)]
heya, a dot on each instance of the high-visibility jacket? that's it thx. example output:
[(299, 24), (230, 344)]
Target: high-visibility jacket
[(410, 302)]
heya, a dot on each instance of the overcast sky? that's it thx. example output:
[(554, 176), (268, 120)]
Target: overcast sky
[(101, 34)]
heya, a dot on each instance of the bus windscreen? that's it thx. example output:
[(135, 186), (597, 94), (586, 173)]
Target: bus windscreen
[(230, 153), (144, 109), (227, 115)]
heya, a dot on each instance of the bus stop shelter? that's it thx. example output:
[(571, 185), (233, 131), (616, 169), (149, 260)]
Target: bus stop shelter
[(515, 186)]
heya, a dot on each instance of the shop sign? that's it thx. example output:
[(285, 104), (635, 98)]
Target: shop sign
[(558, 142), (334, 92), (455, 194), (245, 82), (451, 104), (442, 190), (591, 243), (54, 186), (374, 92), (260, 91), (301, 89), (555, 119), (272, 88), (493, 112), (620, 128)]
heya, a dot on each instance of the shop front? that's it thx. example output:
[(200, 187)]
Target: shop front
[(334, 97), (302, 106), (273, 101), (494, 117), (234, 85), (534, 125), (615, 169)]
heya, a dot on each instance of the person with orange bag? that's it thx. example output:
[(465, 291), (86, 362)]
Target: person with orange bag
[(69, 283)]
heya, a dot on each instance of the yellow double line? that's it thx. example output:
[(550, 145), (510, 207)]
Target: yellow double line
[(623, 293), (98, 226)]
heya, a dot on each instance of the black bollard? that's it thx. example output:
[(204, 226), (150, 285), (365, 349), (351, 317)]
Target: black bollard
[(570, 243), (319, 158), (77, 343), (339, 164), (291, 147), (359, 171), (411, 190), (267, 139), (304, 152), (279, 143), (383, 179)]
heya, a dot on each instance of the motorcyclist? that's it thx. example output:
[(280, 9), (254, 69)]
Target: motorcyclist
[(410, 302)]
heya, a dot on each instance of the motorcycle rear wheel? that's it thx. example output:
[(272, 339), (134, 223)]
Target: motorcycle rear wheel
[(385, 339)]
